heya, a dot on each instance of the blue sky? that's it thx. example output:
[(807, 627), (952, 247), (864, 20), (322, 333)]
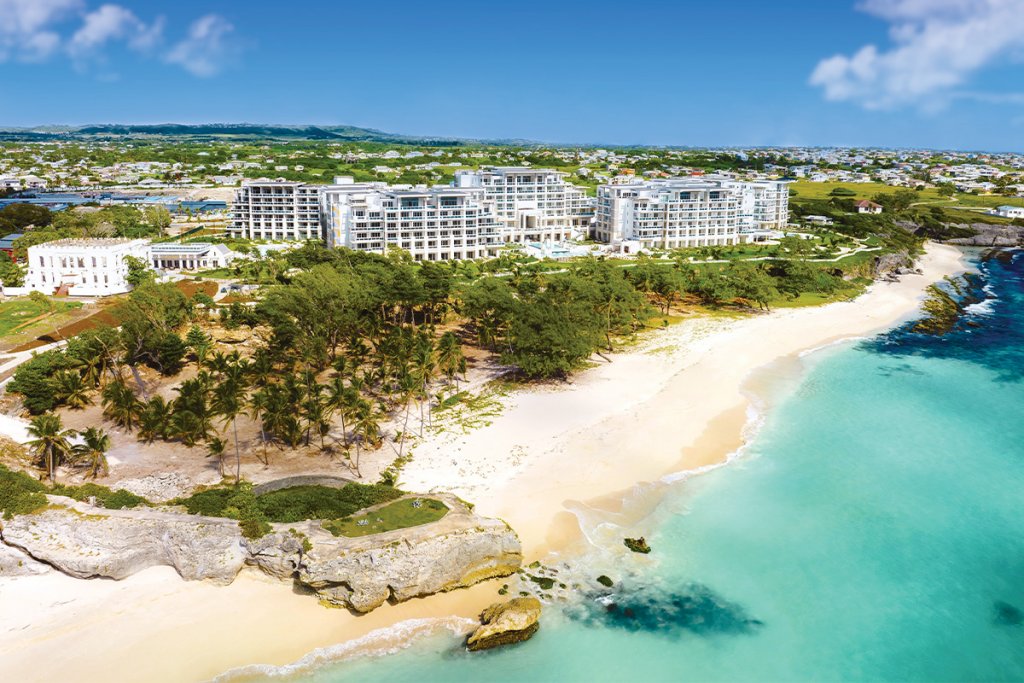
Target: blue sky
[(927, 73)]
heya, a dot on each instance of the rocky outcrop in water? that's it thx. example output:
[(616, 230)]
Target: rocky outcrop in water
[(637, 545), (88, 542), (458, 550), (504, 623)]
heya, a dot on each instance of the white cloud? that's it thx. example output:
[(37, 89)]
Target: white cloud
[(938, 45), (114, 23), (24, 32), (207, 48), (36, 30)]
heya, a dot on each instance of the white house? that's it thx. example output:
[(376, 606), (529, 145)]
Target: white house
[(864, 206), (174, 256), (83, 267), (1007, 211)]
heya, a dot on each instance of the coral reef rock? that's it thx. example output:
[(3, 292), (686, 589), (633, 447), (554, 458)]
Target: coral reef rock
[(504, 623)]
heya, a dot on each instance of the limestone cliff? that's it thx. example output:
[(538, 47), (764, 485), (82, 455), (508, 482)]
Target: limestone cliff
[(87, 542), (84, 541), (362, 573)]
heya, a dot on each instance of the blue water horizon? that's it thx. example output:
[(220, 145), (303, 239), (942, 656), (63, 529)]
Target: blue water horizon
[(873, 530)]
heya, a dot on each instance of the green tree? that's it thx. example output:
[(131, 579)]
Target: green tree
[(71, 389), (120, 404), (139, 271), (50, 442), (93, 450)]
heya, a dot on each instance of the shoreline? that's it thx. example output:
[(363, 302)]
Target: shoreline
[(668, 408)]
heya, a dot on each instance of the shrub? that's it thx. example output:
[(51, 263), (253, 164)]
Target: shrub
[(112, 500), (294, 504), (20, 494), (210, 503), (321, 502)]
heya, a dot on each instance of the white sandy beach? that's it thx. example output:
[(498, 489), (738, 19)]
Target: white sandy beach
[(676, 402)]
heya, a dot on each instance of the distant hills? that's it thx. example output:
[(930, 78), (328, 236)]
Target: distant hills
[(235, 131)]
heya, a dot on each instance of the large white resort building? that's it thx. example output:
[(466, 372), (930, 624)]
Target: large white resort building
[(83, 267), (276, 210), (689, 212), (432, 224), (534, 204), (486, 208)]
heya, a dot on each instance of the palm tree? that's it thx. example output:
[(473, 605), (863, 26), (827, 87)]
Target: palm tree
[(367, 430), (50, 442), (120, 404), (424, 368), (228, 402), (215, 448), (259, 401), (316, 409), (72, 389), (93, 450), (449, 357), (155, 420)]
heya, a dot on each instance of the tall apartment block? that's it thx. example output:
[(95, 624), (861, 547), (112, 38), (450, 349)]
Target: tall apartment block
[(276, 210), (765, 204), (533, 204), (432, 224), (689, 212)]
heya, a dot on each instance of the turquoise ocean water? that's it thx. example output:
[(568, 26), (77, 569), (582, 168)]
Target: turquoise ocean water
[(872, 531)]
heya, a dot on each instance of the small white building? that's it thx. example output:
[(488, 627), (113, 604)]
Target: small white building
[(864, 206), (1007, 211), (83, 267), (174, 256)]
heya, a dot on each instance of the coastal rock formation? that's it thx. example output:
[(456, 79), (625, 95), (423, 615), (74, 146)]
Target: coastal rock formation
[(893, 263), (83, 541), (14, 562), (158, 488), (987, 235), (86, 542), (504, 623), (458, 550), (637, 545)]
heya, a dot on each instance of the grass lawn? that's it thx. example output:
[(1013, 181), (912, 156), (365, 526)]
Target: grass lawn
[(816, 299), (21, 314), (400, 514), (217, 273)]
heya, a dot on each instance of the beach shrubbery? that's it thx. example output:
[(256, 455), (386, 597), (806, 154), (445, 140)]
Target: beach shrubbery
[(20, 494), (105, 497), (294, 504), (321, 502)]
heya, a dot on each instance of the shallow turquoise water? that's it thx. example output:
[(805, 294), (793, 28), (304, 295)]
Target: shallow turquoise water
[(873, 531)]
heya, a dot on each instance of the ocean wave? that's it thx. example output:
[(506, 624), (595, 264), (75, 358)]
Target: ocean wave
[(377, 643), (986, 307)]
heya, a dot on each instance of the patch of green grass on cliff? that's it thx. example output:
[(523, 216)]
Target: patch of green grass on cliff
[(293, 504), (401, 514), (112, 500), (20, 494)]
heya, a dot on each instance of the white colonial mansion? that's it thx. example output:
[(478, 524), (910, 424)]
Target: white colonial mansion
[(83, 267), (97, 266), (689, 212)]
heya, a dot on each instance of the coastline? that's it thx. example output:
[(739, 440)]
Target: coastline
[(666, 407)]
